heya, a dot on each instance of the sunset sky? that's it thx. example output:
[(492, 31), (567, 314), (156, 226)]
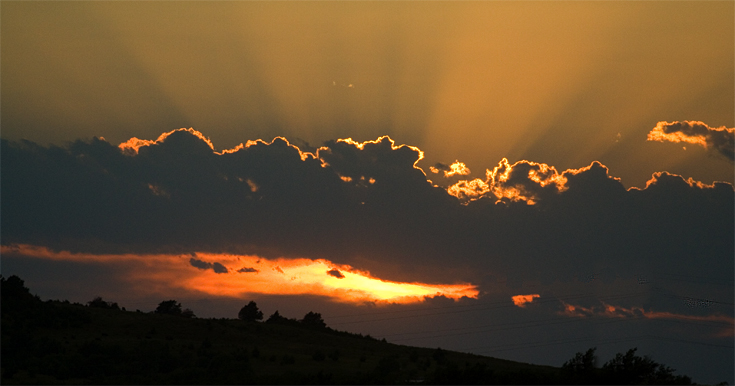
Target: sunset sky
[(517, 179)]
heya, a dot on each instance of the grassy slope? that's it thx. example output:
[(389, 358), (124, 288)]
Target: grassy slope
[(56, 342)]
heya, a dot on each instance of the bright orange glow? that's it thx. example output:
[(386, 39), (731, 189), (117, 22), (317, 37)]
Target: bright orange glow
[(457, 168), (469, 190), (247, 274), (522, 300), (505, 183), (520, 181)]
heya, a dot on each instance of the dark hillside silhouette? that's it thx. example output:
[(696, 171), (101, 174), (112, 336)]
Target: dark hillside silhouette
[(52, 342)]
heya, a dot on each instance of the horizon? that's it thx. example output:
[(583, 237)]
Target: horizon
[(519, 180)]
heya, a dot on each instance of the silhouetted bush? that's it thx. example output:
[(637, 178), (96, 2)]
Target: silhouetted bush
[(99, 303), (582, 369), (313, 319), (169, 307), (623, 369), (250, 313), (631, 369), (276, 318)]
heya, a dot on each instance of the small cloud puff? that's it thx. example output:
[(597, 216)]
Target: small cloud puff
[(720, 139), (336, 273), (216, 267)]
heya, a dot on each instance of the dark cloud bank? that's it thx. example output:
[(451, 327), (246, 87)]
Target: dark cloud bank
[(369, 207)]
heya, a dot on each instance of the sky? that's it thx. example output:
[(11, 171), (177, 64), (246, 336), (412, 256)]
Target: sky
[(517, 179)]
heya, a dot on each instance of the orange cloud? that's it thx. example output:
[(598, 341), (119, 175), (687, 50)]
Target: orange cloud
[(522, 181), (611, 311), (522, 300), (246, 274), (720, 139), (457, 168)]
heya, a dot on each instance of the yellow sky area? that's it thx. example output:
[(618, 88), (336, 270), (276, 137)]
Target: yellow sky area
[(254, 275), (563, 83)]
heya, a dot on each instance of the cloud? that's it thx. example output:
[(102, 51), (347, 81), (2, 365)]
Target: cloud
[(524, 181), (438, 167), (285, 276), (247, 270), (216, 267), (611, 311), (457, 169), (522, 300), (364, 204), (719, 139)]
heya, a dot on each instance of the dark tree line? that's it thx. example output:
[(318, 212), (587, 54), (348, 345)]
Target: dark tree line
[(623, 369), (251, 313)]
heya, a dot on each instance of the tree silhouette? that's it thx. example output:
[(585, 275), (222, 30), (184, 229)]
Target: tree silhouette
[(629, 368), (313, 319), (14, 287), (170, 307), (188, 313), (99, 303), (624, 369), (582, 368), (250, 313)]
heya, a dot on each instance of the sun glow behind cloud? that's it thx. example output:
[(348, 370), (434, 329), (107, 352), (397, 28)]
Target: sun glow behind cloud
[(522, 300), (238, 275)]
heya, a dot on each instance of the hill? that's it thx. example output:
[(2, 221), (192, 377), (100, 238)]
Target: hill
[(55, 342)]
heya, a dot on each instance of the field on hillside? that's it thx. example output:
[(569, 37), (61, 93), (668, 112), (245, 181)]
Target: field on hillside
[(56, 342)]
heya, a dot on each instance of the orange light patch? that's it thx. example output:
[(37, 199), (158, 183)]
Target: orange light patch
[(522, 300), (248, 274), (457, 168), (469, 190)]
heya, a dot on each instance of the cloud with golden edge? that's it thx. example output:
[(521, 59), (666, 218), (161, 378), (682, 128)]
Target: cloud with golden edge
[(133, 145), (720, 139), (457, 168), (241, 275), (393, 146), (522, 300), (522, 181)]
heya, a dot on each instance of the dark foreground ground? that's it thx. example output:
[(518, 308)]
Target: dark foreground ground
[(55, 342)]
